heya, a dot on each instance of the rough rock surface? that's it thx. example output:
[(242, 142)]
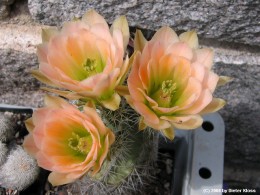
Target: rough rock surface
[(233, 21), (18, 39), (241, 115), (17, 86)]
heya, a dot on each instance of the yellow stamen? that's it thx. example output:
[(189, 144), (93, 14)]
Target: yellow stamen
[(168, 88), (90, 65), (84, 145), (164, 95), (80, 144)]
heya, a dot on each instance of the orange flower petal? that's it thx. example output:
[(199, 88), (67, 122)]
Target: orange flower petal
[(210, 81), (182, 71), (103, 156), (29, 124), (29, 145), (157, 51), (102, 32), (121, 24), (194, 122), (41, 77), (150, 100), (112, 103), (215, 105), (165, 35), (67, 94), (205, 57), (141, 124), (198, 71), (176, 119), (59, 179), (47, 34), (122, 90), (166, 111), (193, 88), (146, 53), (72, 27), (224, 80), (75, 48), (148, 114), (93, 18), (55, 102), (180, 49), (43, 160), (190, 38), (203, 100), (125, 69), (139, 41), (169, 133), (134, 81), (162, 124), (42, 51), (40, 116), (160, 71)]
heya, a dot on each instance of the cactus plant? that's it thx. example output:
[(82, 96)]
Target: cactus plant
[(7, 128), (19, 171), (3, 152), (132, 157)]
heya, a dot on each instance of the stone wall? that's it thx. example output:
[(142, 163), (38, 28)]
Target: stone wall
[(235, 21), (231, 28)]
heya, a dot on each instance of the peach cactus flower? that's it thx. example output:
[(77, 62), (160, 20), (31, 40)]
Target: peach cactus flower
[(171, 82), (66, 141), (85, 58)]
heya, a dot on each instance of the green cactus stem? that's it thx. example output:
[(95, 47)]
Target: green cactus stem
[(131, 160)]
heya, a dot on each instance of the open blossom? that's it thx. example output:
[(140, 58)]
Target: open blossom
[(171, 82), (85, 58), (66, 141)]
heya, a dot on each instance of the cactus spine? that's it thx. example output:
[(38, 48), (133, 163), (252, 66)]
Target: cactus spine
[(17, 169), (7, 128), (131, 159), (3, 153)]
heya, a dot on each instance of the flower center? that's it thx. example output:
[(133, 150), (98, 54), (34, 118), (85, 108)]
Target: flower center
[(168, 88), (90, 66), (164, 95), (80, 144)]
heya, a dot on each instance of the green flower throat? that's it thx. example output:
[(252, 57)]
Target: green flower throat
[(80, 144)]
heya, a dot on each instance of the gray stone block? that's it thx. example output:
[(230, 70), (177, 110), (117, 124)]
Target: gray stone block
[(17, 58), (241, 114), (233, 21), (17, 86)]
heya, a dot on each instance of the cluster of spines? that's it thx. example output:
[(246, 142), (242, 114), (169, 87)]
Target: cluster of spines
[(124, 123), (3, 153), (7, 128), (17, 169)]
